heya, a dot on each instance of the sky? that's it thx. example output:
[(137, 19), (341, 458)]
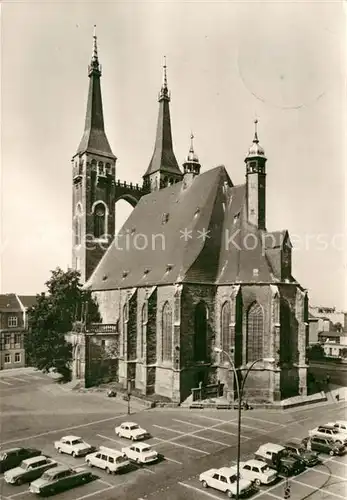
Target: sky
[(228, 63)]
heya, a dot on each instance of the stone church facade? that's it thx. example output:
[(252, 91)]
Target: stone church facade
[(192, 269)]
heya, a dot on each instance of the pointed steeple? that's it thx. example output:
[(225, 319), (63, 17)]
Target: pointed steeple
[(94, 139), (255, 150), (192, 164), (163, 159)]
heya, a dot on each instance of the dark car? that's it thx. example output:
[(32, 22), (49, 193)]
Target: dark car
[(298, 451), (14, 456), (324, 445), (59, 479)]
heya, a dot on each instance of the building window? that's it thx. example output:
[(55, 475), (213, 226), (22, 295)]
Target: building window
[(78, 225), (17, 339), (17, 357), (285, 339), (99, 220), (143, 328), (7, 359), (255, 332), (12, 321), (7, 342), (226, 340), (200, 332), (166, 332), (101, 170)]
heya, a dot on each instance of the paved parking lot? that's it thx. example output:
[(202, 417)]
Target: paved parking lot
[(191, 442)]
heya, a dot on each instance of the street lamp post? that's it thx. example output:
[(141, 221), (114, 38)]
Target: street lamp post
[(239, 390)]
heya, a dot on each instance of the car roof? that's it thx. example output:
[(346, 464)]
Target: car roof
[(228, 471), (255, 463), (59, 468), (71, 438), (33, 460), (11, 450), (111, 451), (326, 426), (272, 447), (142, 445), (291, 443)]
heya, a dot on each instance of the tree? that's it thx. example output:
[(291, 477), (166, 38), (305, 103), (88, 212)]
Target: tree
[(343, 353), (52, 317), (316, 352), (103, 362)]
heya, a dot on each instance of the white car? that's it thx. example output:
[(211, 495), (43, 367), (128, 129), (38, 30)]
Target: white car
[(132, 431), (329, 431), (73, 445), (224, 480), (340, 425), (141, 453), (257, 471), (110, 460)]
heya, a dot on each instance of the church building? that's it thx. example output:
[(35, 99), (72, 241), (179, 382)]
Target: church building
[(193, 277)]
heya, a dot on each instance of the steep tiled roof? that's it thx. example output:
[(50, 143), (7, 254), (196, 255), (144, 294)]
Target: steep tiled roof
[(9, 301), (152, 249), (28, 300)]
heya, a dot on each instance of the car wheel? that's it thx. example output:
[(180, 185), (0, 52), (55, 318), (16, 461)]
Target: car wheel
[(257, 482), (285, 471), (107, 470), (89, 463), (331, 453), (132, 438), (74, 454), (229, 494), (59, 450), (204, 484), (19, 482)]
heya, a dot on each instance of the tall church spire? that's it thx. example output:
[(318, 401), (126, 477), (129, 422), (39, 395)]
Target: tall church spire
[(94, 139), (163, 163)]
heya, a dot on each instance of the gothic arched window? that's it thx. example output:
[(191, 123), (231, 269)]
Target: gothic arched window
[(285, 333), (101, 168), (255, 332), (200, 332), (143, 328), (100, 220), (167, 332), (78, 225), (226, 340)]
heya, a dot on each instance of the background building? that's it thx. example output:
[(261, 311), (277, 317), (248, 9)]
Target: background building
[(13, 326)]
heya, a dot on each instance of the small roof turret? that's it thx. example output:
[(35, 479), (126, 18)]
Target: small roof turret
[(255, 150)]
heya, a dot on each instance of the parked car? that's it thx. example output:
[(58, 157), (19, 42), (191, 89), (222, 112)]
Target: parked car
[(29, 469), (73, 445), (14, 456), (257, 471), (132, 431), (324, 445), (110, 460), (296, 450), (329, 431), (277, 457), (141, 453), (340, 425), (58, 479), (224, 480)]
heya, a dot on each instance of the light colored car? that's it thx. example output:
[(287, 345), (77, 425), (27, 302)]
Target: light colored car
[(110, 460), (29, 470), (73, 445), (132, 431), (340, 425), (59, 479), (329, 431), (141, 453), (257, 471), (224, 480)]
